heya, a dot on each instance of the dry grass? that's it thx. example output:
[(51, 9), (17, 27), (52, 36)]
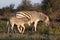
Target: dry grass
[(21, 36)]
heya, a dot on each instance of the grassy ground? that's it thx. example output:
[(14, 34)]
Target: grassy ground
[(43, 33), (34, 36), (21, 36)]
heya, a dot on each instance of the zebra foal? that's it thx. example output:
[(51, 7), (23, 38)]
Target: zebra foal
[(19, 22)]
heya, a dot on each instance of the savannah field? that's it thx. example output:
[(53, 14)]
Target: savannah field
[(49, 7)]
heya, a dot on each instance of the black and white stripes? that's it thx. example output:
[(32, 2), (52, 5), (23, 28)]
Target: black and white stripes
[(23, 14)]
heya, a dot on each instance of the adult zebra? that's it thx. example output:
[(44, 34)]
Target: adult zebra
[(34, 16)]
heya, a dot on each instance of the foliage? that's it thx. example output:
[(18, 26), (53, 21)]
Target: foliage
[(3, 26), (55, 28), (25, 5), (51, 5), (43, 30), (37, 7), (52, 8)]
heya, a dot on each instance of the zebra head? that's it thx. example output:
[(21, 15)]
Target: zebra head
[(44, 18)]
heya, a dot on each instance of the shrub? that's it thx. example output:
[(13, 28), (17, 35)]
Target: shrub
[(43, 30), (3, 25)]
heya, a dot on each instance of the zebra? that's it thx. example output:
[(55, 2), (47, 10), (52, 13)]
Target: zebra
[(19, 22), (34, 16)]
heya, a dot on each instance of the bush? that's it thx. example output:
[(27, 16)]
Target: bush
[(43, 30), (55, 28), (3, 25)]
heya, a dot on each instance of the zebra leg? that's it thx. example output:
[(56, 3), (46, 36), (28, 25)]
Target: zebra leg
[(29, 23), (8, 29), (8, 25), (23, 27), (35, 24), (12, 27), (19, 29)]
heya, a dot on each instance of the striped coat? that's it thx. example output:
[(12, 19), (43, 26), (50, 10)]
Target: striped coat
[(34, 17)]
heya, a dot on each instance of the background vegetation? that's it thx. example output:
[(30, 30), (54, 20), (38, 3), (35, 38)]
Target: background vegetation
[(49, 7)]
